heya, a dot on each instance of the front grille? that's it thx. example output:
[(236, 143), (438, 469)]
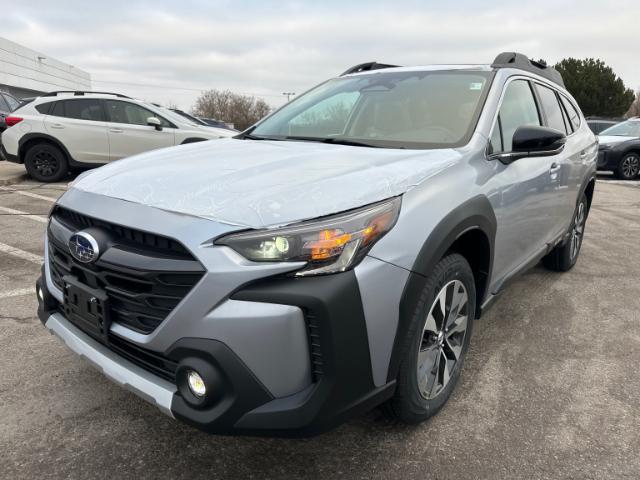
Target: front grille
[(315, 350), (135, 239), (138, 299)]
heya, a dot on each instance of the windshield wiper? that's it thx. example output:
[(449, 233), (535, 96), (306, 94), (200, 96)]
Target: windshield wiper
[(249, 136), (333, 140)]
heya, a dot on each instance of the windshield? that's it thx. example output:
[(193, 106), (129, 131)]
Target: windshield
[(625, 129), (424, 109)]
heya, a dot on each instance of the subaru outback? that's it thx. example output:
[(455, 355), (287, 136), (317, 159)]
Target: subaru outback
[(330, 259)]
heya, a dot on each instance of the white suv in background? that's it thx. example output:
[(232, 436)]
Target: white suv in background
[(61, 131)]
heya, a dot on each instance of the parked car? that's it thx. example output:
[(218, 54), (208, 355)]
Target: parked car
[(8, 103), (619, 149), (207, 122), (597, 125), (77, 130), (218, 123), (329, 259)]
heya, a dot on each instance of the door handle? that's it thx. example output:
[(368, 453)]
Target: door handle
[(115, 130), (583, 154), (555, 168), (57, 125)]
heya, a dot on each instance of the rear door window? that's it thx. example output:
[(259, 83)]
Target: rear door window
[(58, 109), (552, 109), (84, 109), (574, 116)]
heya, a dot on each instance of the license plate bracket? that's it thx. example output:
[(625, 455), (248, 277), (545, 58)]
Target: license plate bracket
[(87, 308)]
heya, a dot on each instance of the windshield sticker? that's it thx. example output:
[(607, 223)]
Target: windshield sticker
[(475, 86)]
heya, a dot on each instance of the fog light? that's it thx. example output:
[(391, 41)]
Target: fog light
[(196, 384), (40, 295)]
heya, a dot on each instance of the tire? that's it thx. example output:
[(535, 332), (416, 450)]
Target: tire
[(563, 257), (46, 163), (422, 388), (628, 167)]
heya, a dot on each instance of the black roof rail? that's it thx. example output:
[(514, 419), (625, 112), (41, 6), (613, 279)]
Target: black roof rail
[(82, 92), (366, 67), (522, 62)]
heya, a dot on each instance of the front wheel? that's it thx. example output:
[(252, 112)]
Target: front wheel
[(437, 341), (563, 257), (629, 167)]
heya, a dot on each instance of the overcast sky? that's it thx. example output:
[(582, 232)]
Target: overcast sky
[(169, 51)]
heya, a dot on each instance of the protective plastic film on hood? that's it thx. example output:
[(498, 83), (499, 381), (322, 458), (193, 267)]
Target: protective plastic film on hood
[(264, 183)]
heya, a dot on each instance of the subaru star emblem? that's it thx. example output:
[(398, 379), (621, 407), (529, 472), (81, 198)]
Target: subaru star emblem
[(83, 247)]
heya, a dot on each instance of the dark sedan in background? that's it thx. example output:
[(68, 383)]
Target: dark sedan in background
[(619, 149), (8, 103), (597, 125)]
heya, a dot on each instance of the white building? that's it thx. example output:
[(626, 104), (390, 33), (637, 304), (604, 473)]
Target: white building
[(27, 73)]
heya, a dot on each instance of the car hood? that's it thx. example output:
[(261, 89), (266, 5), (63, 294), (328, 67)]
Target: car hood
[(259, 183), (613, 139), (218, 132)]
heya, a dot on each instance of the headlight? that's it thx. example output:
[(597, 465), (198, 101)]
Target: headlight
[(329, 245), (604, 147)]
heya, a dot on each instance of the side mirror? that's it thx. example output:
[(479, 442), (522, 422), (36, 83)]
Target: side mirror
[(154, 122), (533, 141)]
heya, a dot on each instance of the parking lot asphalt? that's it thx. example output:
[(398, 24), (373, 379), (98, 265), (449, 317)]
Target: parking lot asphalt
[(550, 389)]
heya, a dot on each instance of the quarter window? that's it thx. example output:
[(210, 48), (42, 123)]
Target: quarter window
[(3, 104), (518, 109), (44, 108), (551, 108)]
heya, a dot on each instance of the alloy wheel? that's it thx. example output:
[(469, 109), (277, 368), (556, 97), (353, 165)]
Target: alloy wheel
[(442, 340), (631, 166), (578, 230), (45, 163)]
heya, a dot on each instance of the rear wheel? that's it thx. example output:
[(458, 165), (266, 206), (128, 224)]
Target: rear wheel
[(563, 257), (46, 163), (629, 166), (437, 341)]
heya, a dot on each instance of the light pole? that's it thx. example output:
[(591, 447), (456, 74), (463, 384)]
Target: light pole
[(288, 95)]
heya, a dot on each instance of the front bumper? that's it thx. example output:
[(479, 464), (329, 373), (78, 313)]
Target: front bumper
[(155, 390), (342, 385)]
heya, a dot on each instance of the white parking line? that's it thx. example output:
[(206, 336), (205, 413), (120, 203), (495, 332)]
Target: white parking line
[(18, 293), (38, 217), (29, 194), (16, 252)]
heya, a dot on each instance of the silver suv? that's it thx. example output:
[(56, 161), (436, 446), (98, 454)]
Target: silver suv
[(331, 258)]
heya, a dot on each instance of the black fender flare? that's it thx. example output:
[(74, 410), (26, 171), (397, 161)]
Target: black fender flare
[(475, 213), (583, 188), (42, 136)]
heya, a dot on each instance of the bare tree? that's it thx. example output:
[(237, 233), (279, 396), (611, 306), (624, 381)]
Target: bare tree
[(241, 110), (634, 109)]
